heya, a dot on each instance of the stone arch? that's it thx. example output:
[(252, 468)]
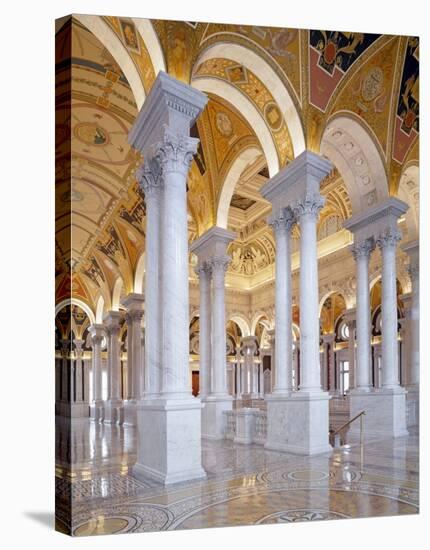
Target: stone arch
[(334, 290), (350, 147), (409, 193), (76, 302), (139, 274), (241, 321), (116, 48), (149, 36), (100, 309), (257, 317), (116, 293), (264, 72), (246, 108), (245, 157)]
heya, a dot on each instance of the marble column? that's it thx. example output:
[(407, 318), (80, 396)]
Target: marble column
[(113, 405), (238, 374), (97, 332), (204, 273), (307, 213), (211, 250), (361, 252), (329, 341), (298, 421), (282, 224), (78, 408), (249, 347), (134, 305), (390, 350), (151, 182), (65, 375), (385, 407), (350, 316), (169, 422), (272, 341), (412, 250)]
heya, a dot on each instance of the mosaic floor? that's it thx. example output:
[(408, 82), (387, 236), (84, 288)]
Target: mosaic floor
[(245, 484)]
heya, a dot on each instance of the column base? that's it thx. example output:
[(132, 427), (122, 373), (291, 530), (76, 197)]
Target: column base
[(97, 411), (385, 414), (129, 412), (213, 420), (169, 440), (72, 410), (114, 411), (412, 405), (298, 423), (245, 426)]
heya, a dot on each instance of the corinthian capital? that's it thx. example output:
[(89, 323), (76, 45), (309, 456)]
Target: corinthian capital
[(389, 238), (149, 177), (363, 249), (309, 207), (219, 264), (283, 221), (175, 152), (203, 270)]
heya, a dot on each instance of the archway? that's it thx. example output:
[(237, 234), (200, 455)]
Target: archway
[(352, 150)]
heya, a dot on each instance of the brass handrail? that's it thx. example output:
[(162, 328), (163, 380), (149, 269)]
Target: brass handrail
[(362, 413)]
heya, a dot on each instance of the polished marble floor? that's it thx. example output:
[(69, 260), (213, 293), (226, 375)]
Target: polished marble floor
[(245, 484)]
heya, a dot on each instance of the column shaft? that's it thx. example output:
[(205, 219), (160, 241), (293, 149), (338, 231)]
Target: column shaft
[(307, 213), (361, 252), (176, 154), (204, 273), (390, 350)]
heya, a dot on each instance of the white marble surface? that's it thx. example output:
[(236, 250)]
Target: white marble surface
[(298, 424), (169, 440), (385, 413), (213, 419)]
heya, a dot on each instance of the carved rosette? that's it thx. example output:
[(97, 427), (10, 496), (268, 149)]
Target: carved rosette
[(389, 238), (363, 249), (309, 207), (284, 221), (175, 152)]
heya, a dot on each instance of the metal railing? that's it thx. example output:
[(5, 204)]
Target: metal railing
[(360, 415)]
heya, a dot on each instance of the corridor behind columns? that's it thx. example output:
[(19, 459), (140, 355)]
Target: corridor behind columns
[(237, 330)]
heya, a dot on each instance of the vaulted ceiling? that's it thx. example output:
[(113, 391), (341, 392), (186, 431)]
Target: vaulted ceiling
[(292, 82)]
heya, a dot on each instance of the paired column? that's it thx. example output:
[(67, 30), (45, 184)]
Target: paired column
[(213, 262), (351, 321), (385, 406), (413, 360), (161, 133), (298, 421), (361, 251), (282, 224), (79, 379)]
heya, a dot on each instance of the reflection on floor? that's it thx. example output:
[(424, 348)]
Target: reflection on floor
[(245, 484)]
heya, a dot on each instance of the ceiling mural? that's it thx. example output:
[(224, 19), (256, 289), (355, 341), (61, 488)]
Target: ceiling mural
[(372, 78), (279, 47), (331, 54), (243, 79), (407, 114)]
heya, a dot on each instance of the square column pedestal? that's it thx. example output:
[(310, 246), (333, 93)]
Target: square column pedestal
[(114, 411), (129, 413), (97, 411), (298, 423), (385, 414), (213, 419), (169, 442)]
